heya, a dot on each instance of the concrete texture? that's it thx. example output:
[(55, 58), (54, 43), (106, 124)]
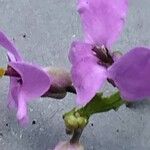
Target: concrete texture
[(49, 27)]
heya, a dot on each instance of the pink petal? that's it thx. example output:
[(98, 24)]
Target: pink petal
[(79, 51), (35, 81), (131, 74), (102, 20), (22, 110), (88, 77), (14, 88), (12, 51)]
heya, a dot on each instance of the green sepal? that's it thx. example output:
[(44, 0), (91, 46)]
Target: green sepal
[(101, 104)]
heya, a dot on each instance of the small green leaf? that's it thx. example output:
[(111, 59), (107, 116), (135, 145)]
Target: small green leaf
[(101, 104)]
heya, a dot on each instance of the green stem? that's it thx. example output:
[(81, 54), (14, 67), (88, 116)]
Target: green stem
[(101, 104), (76, 135)]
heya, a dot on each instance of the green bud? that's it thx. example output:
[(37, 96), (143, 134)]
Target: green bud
[(82, 122), (71, 122), (77, 114)]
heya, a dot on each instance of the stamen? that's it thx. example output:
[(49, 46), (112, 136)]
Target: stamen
[(104, 55), (2, 72), (11, 72)]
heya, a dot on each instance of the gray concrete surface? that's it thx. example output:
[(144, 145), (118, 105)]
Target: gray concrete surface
[(50, 26)]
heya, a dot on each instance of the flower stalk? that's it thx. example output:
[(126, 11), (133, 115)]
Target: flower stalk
[(76, 136)]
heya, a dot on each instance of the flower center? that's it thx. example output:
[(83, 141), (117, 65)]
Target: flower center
[(103, 54)]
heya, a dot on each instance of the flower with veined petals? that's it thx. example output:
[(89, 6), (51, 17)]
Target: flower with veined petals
[(67, 146), (32, 82), (92, 62)]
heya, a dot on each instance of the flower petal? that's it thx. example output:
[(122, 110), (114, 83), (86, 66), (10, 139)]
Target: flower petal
[(131, 74), (102, 20), (88, 77), (22, 115), (14, 88), (13, 53), (35, 81), (79, 51)]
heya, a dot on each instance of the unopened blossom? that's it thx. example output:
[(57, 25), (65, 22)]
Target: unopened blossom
[(31, 83), (67, 146), (93, 62), (60, 83)]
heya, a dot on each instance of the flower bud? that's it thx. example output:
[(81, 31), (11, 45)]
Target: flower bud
[(60, 77), (71, 122), (60, 82), (82, 122), (67, 146)]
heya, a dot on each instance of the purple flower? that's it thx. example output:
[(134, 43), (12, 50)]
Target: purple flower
[(32, 82), (93, 63)]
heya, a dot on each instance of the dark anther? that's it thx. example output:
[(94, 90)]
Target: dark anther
[(111, 82), (6, 124), (110, 59), (92, 124), (11, 72), (33, 122), (71, 89), (103, 54), (19, 81)]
